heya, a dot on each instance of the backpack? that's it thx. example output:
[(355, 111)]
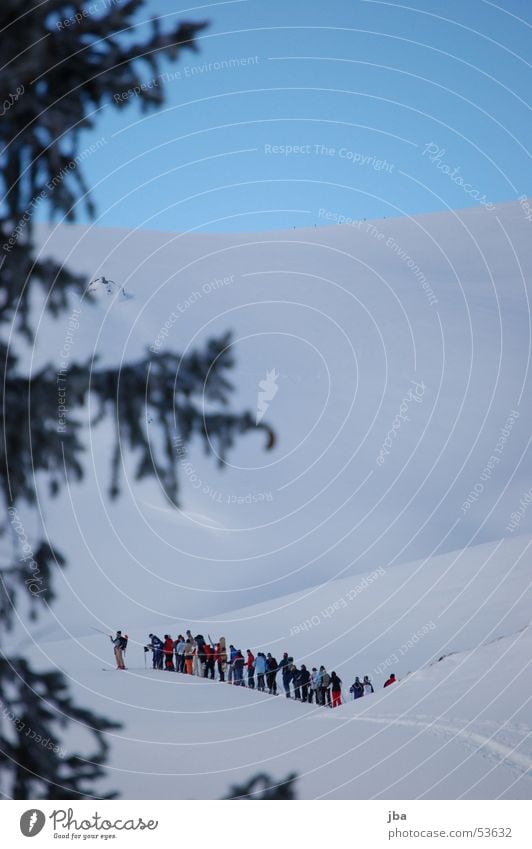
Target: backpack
[(123, 643), (325, 679), (272, 664)]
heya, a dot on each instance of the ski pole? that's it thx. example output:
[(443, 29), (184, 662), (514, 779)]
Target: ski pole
[(99, 630)]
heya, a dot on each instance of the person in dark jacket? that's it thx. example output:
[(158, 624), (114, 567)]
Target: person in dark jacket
[(391, 680), (325, 683), (294, 671), (168, 652), (289, 672), (303, 682), (179, 646), (250, 666), (238, 669), (156, 646), (336, 687), (271, 674), (357, 688)]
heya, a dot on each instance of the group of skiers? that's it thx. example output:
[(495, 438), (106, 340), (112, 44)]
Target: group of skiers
[(365, 688), (196, 656)]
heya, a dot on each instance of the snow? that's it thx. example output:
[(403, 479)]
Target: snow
[(455, 726), (371, 552)]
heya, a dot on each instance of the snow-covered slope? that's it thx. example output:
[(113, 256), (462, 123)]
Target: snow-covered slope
[(454, 629), (400, 350), (402, 419)]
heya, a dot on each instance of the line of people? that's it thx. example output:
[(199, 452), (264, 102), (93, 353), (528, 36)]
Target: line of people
[(365, 688), (196, 656)]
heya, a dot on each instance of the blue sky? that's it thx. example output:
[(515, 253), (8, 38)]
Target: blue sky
[(294, 114)]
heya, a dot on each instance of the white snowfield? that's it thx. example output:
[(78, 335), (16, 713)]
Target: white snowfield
[(457, 725), (387, 531)]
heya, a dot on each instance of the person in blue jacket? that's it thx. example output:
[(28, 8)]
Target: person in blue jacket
[(238, 669), (357, 688), (156, 645), (285, 666), (230, 662)]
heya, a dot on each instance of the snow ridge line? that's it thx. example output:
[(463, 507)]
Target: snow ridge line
[(475, 648)]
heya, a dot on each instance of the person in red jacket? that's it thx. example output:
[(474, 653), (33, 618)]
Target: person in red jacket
[(209, 662), (391, 680), (168, 653), (250, 666)]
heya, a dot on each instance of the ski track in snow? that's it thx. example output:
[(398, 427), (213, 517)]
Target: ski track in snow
[(502, 752)]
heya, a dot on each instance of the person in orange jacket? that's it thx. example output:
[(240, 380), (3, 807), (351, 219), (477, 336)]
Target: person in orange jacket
[(189, 654)]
